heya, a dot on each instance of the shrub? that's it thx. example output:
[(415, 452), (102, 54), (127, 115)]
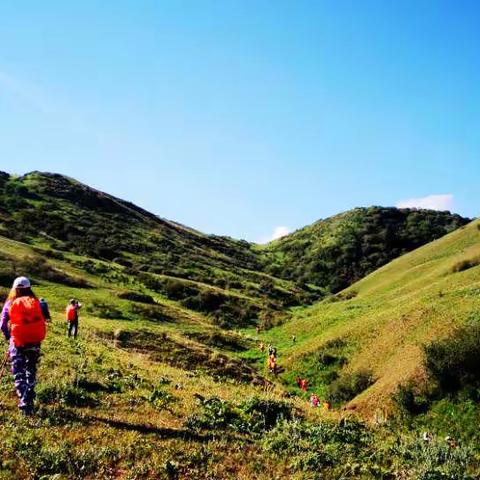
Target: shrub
[(104, 310), (454, 362), (39, 267), (409, 401), (137, 297), (66, 394), (150, 312), (466, 264), (264, 414), (216, 414), (349, 385)]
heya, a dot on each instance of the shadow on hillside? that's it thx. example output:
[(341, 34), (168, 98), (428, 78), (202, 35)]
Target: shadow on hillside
[(64, 417), (149, 429)]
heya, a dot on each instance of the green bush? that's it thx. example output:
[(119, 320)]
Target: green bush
[(137, 297), (466, 264), (264, 414), (349, 385), (104, 310), (409, 400), (453, 363)]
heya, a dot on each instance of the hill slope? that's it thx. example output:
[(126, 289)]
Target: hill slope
[(379, 324), (235, 282), (338, 251), (210, 274), (154, 389)]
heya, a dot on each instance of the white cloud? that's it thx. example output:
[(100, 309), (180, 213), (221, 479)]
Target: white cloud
[(433, 202), (278, 232)]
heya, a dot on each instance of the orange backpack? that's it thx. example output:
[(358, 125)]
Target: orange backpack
[(71, 313), (27, 324)]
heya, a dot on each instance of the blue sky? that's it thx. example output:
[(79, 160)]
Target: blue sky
[(241, 117)]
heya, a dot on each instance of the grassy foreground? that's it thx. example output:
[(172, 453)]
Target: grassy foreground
[(153, 390)]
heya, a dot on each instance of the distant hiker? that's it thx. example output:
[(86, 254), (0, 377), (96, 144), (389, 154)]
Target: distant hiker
[(314, 400), (23, 324), (450, 442), (302, 383), (427, 437), (272, 350), (45, 309), (72, 317), (272, 364)]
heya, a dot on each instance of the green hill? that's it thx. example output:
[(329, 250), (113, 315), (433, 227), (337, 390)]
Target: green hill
[(162, 384), (379, 326), (338, 251)]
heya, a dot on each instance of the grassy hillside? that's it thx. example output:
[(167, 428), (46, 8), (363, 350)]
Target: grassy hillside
[(162, 384), (152, 390), (338, 251), (209, 274), (367, 340)]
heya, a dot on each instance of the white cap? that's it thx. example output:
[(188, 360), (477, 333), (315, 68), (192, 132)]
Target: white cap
[(21, 282)]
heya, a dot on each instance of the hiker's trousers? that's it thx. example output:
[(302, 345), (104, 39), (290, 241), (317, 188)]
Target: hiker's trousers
[(72, 329), (24, 369)]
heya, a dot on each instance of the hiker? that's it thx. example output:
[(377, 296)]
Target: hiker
[(427, 437), (23, 324), (272, 364), (302, 383), (450, 442), (72, 317), (314, 400), (45, 309)]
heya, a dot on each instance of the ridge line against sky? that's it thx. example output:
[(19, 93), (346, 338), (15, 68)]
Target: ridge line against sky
[(248, 119)]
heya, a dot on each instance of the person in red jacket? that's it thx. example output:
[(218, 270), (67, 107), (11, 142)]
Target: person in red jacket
[(23, 324), (71, 313)]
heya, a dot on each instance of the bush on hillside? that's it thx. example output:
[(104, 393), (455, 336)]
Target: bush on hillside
[(37, 266), (454, 362), (264, 414), (349, 385), (409, 400), (137, 297), (104, 310), (150, 312), (466, 264)]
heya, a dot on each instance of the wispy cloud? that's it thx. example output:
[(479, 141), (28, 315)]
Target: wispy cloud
[(433, 202)]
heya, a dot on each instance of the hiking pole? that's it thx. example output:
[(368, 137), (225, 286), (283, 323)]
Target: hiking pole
[(4, 364)]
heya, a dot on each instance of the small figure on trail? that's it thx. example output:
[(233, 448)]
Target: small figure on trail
[(72, 317), (302, 383), (450, 442), (427, 437), (327, 405), (45, 309), (24, 326), (272, 364), (314, 400)]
